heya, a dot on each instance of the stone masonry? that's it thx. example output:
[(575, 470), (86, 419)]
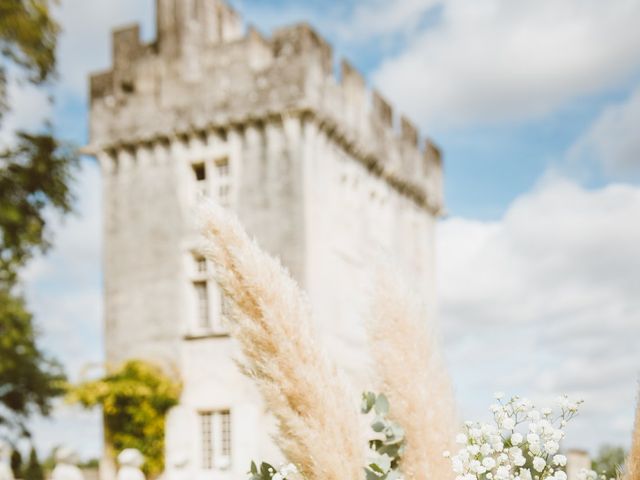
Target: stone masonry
[(316, 166)]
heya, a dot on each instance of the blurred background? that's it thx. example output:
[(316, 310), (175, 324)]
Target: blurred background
[(535, 106)]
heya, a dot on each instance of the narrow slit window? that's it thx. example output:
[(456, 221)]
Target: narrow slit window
[(223, 181), (202, 298), (206, 432)]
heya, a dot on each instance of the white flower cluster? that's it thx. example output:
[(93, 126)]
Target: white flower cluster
[(285, 471), (522, 444)]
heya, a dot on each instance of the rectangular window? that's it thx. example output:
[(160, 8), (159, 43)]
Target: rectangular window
[(200, 174), (215, 429), (225, 435), (202, 298), (206, 432), (201, 265), (223, 181)]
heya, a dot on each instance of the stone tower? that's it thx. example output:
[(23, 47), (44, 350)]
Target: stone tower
[(312, 162)]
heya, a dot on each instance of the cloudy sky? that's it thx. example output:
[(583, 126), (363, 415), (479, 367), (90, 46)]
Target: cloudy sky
[(536, 104)]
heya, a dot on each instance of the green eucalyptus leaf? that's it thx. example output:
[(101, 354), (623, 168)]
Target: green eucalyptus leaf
[(371, 475), (368, 401), (378, 425), (382, 404)]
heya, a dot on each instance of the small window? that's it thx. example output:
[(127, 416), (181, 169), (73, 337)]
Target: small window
[(202, 298), (225, 434), (206, 432), (201, 265), (223, 181), (222, 166), (215, 430), (200, 172)]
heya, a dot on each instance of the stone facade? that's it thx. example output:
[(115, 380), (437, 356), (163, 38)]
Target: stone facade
[(314, 166)]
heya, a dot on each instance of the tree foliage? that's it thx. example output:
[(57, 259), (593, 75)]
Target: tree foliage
[(28, 378), (28, 36), (33, 469), (609, 461), (16, 463), (36, 175), (135, 400)]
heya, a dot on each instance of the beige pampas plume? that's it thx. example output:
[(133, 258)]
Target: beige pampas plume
[(319, 426), (632, 465), (413, 376)]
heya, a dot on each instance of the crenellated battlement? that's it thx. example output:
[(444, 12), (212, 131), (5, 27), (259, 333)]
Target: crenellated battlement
[(204, 71)]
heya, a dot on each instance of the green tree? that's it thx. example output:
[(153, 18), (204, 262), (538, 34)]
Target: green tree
[(609, 461), (36, 174), (135, 400), (16, 463), (33, 470)]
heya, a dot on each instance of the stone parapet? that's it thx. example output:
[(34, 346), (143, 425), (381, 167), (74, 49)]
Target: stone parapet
[(222, 81)]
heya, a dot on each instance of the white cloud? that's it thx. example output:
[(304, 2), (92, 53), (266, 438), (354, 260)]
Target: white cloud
[(500, 59), (613, 140), (380, 17), (544, 301)]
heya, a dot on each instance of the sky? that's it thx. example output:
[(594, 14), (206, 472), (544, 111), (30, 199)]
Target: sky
[(536, 106)]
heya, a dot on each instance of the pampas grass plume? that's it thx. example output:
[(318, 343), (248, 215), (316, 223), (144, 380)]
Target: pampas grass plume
[(318, 421), (632, 466), (412, 374)]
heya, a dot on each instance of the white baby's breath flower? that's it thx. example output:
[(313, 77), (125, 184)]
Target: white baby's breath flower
[(560, 475), (498, 395), (474, 465), (473, 449), (486, 449), (489, 462), (516, 438), (560, 460), (461, 438), (525, 474), (446, 454), (539, 464), (551, 447), (502, 473), (535, 448), (533, 438), (519, 461), (508, 423)]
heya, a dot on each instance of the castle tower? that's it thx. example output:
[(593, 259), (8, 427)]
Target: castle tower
[(314, 165)]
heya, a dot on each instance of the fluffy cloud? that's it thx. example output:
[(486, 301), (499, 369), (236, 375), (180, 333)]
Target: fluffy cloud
[(613, 140), (376, 18), (499, 59), (544, 301)]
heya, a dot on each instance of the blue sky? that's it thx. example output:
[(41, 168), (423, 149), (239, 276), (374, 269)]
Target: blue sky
[(536, 105)]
